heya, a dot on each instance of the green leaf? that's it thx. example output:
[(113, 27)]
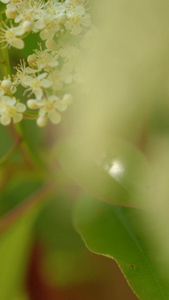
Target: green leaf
[(113, 171), (118, 233), (18, 189), (15, 243), (16, 223)]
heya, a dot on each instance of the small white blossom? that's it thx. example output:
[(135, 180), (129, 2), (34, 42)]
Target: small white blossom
[(49, 26), (10, 109), (43, 59), (50, 108), (8, 86), (22, 72), (10, 36), (77, 18), (37, 84), (29, 11)]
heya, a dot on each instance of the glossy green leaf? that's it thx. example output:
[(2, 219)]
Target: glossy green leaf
[(118, 233), (113, 171)]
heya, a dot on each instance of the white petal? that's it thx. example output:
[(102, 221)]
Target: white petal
[(53, 98), (41, 121), (11, 101), (31, 103), (42, 112), (46, 83), (61, 106), (19, 30), (17, 43), (17, 117), (5, 1), (5, 120), (41, 76), (54, 117), (27, 80), (44, 35), (51, 44), (18, 18), (39, 24), (38, 93), (20, 107)]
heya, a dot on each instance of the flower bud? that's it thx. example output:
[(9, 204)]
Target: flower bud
[(11, 13), (31, 60), (51, 44), (6, 85), (32, 104), (41, 121), (27, 26)]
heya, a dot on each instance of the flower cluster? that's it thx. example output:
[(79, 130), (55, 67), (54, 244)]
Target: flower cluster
[(10, 107), (50, 69)]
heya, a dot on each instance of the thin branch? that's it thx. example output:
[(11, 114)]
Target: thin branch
[(30, 117), (28, 159), (6, 156)]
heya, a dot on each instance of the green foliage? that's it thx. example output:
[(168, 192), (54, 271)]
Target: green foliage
[(15, 244), (118, 233)]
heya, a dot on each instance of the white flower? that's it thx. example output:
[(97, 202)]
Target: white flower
[(48, 25), (29, 11), (37, 84), (77, 18), (43, 59), (10, 109), (10, 36), (58, 10), (7, 86), (50, 108), (22, 72)]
